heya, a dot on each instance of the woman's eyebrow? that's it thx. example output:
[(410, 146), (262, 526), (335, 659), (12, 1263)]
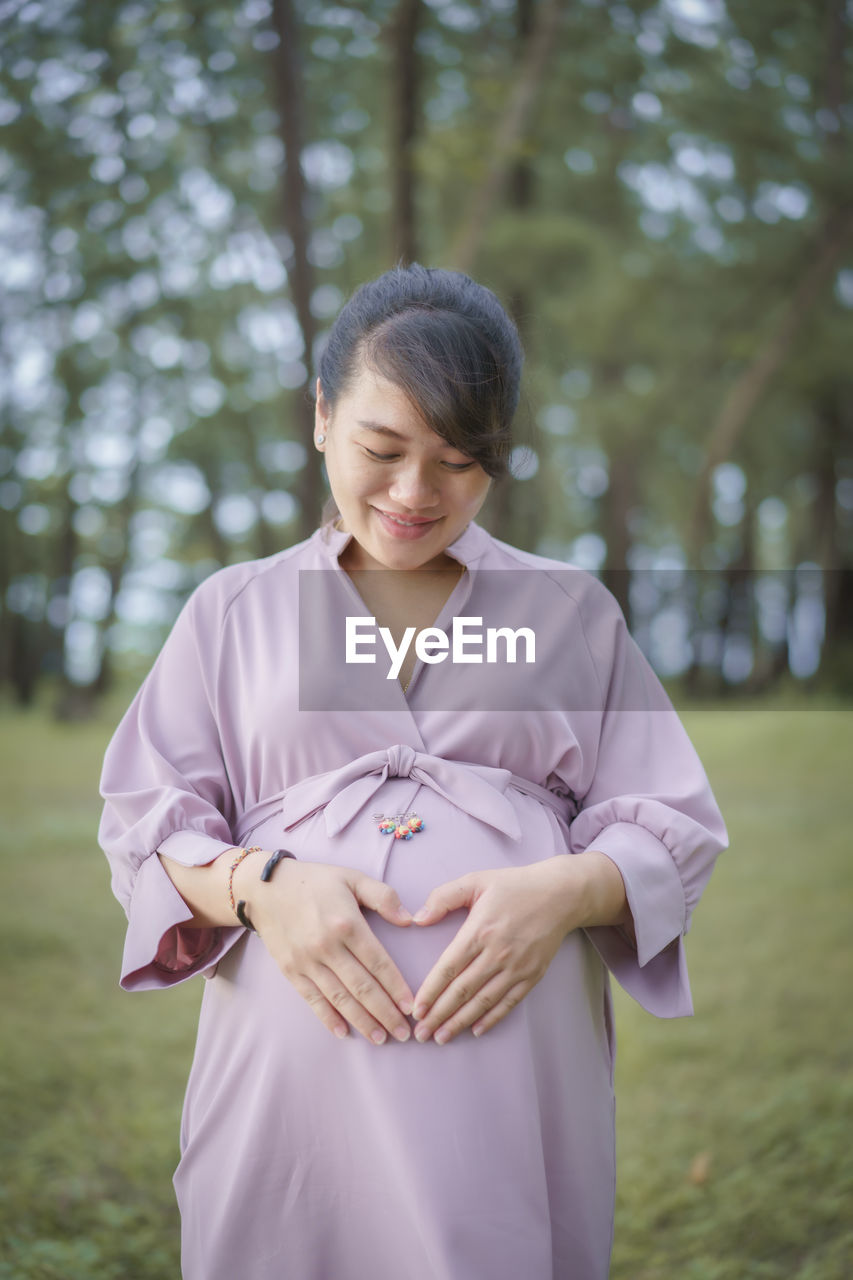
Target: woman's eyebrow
[(379, 428)]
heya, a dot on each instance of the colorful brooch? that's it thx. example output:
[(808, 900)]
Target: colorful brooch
[(402, 826)]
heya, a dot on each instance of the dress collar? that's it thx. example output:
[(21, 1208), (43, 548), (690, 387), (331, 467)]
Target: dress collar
[(467, 549)]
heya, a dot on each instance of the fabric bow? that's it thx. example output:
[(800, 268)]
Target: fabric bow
[(475, 789)]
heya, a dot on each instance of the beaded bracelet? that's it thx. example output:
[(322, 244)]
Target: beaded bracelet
[(241, 854), (266, 874)]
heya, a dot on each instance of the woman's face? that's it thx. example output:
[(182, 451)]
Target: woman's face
[(403, 492)]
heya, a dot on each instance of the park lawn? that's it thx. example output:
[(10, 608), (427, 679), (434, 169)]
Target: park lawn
[(734, 1128)]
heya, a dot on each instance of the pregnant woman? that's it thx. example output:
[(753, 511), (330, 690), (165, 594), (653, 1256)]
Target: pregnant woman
[(405, 796)]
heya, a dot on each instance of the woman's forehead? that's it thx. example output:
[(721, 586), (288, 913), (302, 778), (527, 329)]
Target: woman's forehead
[(374, 403)]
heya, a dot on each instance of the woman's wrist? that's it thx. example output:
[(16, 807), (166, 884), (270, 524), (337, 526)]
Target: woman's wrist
[(247, 889), (608, 901), (206, 889), (591, 890)]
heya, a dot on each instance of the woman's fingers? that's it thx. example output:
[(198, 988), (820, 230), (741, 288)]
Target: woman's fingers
[(324, 1010), (452, 896), (354, 972), (500, 952), (452, 962), (356, 996), (370, 953), (325, 947), (491, 1002), (472, 987), (381, 898), (499, 1010)]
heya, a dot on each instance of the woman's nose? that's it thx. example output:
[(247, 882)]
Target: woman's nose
[(413, 487)]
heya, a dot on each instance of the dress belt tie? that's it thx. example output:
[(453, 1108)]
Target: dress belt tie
[(476, 789)]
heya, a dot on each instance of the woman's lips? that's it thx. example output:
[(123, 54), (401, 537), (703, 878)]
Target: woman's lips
[(401, 527)]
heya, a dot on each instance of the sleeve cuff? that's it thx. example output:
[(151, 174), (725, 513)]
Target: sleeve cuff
[(193, 848), (655, 974), (158, 952), (661, 986), (652, 885)]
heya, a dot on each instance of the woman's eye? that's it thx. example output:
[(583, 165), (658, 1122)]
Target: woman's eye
[(380, 457), (392, 457)]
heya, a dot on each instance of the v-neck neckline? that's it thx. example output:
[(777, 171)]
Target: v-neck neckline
[(467, 549), (461, 589)]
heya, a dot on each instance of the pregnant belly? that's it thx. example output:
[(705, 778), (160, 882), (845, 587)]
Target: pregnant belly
[(450, 844)]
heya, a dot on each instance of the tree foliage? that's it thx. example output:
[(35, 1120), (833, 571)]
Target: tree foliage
[(661, 192)]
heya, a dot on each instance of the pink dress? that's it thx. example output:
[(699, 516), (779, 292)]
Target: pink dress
[(308, 1158)]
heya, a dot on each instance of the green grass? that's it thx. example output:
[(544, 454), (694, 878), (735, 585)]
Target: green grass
[(758, 1087), (735, 1128)]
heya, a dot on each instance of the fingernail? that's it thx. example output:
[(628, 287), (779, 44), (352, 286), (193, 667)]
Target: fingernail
[(420, 1011), (406, 1006), (402, 913), (378, 1036), (341, 1033), (441, 1037), (420, 915), (422, 1034), (401, 1033)]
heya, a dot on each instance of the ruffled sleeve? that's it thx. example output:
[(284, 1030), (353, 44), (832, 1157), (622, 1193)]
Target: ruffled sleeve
[(165, 787), (648, 807)]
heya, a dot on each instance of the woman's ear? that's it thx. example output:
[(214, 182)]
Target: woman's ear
[(321, 417)]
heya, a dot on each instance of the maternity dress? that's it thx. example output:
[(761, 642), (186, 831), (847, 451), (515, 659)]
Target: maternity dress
[(305, 1157)]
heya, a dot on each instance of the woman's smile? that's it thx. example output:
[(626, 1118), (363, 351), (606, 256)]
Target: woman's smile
[(408, 528)]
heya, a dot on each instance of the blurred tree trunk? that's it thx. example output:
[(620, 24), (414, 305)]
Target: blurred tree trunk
[(834, 409), (266, 543), (116, 568), (7, 560), (624, 458), (291, 105), (25, 646), (208, 464), (66, 548), (515, 510), (834, 95), (619, 500), (834, 429), (744, 578), (508, 134), (403, 32), (21, 638), (739, 621)]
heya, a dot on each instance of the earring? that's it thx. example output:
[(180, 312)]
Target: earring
[(321, 438)]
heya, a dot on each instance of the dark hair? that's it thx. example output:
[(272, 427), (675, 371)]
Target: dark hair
[(447, 343)]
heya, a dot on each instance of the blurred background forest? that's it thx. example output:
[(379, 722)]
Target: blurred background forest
[(660, 191)]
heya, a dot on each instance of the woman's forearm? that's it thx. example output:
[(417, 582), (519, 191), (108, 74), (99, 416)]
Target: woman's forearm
[(608, 902), (205, 889), (601, 898)]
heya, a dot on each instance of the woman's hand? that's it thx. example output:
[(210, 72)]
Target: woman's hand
[(309, 918), (517, 918)]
